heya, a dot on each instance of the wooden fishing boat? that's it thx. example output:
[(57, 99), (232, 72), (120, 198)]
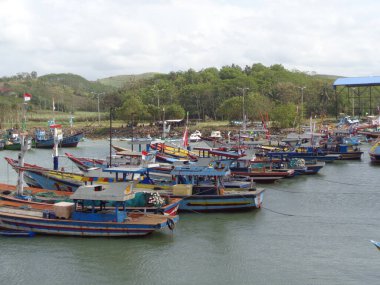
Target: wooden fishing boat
[(41, 141), (40, 177), (374, 152), (307, 153), (345, 152), (12, 140), (107, 215), (258, 168), (145, 200), (123, 157), (200, 193), (299, 165), (174, 151)]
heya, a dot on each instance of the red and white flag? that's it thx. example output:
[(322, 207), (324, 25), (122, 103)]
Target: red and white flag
[(27, 97), (185, 138)]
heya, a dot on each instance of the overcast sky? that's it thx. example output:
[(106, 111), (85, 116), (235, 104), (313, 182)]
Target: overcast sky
[(102, 38)]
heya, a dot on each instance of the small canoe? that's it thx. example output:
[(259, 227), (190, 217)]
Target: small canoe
[(376, 243)]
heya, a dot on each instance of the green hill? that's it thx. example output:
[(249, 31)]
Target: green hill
[(120, 81), (75, 82)]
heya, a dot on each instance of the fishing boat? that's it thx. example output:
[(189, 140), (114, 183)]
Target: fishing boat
[(346, 152), (12, 140), (376, 243), (146, 201), (299, 165), (258, 167), (123, 157), (44, 141), (196, 136), (306, 153), (374, 152), (106, 215), (202, 189), (174, 151), (41, 177)]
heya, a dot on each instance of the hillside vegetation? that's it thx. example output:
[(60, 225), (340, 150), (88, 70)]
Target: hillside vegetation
[(285, 97), (121, 81)]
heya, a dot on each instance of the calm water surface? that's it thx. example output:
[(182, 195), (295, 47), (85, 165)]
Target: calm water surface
[(312, 230)]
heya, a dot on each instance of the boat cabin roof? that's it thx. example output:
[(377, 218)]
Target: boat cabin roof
[(200, 171), (126, 170), (97, 192)]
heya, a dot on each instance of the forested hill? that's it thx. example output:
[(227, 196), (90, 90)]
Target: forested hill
[(210, 93), (267, 92)]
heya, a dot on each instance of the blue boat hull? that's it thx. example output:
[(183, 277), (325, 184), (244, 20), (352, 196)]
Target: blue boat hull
[(70, 141), (41, 180), (78, 228), (214, 203)]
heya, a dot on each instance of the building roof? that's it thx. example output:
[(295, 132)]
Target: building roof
[(357, 81)]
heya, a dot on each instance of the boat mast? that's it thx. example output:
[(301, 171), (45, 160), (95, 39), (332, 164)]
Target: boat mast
[(24, 147), (110, 163), (57, 137), (163, 124)]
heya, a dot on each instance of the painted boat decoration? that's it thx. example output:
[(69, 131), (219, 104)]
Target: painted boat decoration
[(106, 216)]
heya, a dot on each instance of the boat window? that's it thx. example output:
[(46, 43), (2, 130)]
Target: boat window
[(98, 188)]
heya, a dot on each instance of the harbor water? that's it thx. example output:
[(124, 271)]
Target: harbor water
[(311, 230)]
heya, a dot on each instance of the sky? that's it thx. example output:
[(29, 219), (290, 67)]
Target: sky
[(103, 38)]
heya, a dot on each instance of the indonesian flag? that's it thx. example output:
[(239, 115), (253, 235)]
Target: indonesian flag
[(27, 97), (185, 138)]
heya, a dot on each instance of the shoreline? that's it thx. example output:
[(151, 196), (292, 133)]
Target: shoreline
[(145, 131)]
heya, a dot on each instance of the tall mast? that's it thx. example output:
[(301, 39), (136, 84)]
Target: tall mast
[(24, 147)]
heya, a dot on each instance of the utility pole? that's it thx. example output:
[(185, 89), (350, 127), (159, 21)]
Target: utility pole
[(98, 110), (243, 89), (302, 88), (133, 125), (99, 106)]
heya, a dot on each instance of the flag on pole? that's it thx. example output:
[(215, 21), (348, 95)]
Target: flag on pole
[(185, 138), (27, 97)]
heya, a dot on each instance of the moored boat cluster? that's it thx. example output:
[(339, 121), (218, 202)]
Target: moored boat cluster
[(132, 193)]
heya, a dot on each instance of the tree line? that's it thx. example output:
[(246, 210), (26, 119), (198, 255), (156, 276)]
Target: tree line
[(284, 96)]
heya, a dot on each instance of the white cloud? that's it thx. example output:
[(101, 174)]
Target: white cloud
[(101, 38)]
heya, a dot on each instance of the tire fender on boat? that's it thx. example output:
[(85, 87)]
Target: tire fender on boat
[(170, 223)]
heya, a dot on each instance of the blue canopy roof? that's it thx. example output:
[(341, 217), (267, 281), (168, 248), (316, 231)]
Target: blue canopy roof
[(357, 81)]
